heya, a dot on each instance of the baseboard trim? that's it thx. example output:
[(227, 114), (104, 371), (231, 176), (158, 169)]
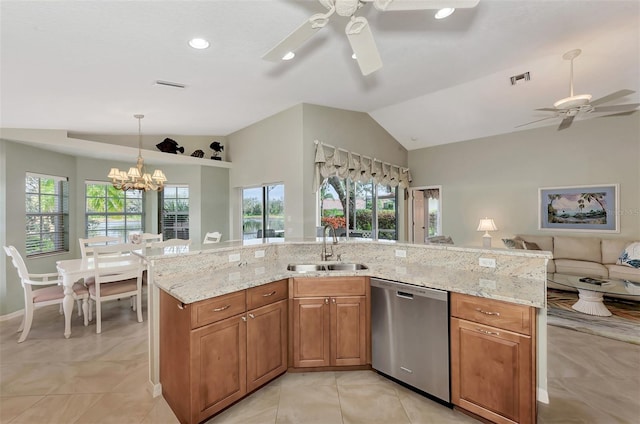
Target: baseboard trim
[(543, 395), (12, 315), (154, 389)]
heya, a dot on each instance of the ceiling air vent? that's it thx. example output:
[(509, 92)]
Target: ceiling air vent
[(514, 79), (170, 84)]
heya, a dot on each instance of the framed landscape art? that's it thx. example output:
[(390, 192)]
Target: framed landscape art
[(579, 208)]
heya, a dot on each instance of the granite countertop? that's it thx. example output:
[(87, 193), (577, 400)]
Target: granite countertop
[(194, 286)]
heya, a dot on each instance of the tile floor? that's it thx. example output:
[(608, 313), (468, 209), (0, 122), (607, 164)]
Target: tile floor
[(92, 378)]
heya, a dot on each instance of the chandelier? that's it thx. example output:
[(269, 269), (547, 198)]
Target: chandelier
[(137, 178)]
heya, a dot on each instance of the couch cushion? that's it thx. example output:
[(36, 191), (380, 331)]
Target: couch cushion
[(612, 248), (573, 267), (578, 248), (551, 266), (623, 272), (513, 242), (630, 256), (543, 242)]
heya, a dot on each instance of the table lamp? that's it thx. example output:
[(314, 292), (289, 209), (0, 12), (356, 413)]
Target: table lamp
[(486, 225)]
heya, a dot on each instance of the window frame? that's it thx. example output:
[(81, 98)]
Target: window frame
[(106, 214), (265, 231), (60, 217), (161, 211)]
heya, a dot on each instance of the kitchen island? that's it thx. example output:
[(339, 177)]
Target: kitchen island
[(200, 273)]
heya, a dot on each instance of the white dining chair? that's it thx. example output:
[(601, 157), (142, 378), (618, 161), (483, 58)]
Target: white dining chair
[(47, 295), (213, 237), (145, 238), (87, 245), (118, 274)]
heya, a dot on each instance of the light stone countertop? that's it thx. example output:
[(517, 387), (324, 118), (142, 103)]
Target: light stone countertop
[(191, 278)]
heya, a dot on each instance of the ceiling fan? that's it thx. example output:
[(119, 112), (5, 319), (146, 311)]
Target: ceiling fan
[(574, 105), (358, 30)]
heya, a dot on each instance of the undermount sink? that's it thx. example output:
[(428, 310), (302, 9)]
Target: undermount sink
[(346, 267), (327, 267)]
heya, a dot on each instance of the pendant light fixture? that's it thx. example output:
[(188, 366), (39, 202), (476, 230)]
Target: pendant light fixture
[(137, 178)]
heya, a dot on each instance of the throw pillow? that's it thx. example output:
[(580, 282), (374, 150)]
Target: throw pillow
[(630, 256), (530, 245), (513, 243)]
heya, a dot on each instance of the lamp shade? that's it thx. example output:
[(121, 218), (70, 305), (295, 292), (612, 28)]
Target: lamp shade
[(487, 224)]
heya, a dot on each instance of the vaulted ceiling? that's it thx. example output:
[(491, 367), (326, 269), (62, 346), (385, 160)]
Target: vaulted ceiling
[(89, 66)]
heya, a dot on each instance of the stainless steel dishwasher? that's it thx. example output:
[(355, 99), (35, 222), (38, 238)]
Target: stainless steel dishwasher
[(410, 335)]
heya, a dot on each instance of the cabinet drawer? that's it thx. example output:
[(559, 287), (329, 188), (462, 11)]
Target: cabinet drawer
[(508, 316), (266, 294), (217, 308), (329, 286)]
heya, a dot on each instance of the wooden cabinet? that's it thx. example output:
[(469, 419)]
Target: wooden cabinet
[(329, 322), (493, 371), (214, 352)]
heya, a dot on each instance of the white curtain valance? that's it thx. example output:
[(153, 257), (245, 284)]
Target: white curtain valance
[(333, 161)]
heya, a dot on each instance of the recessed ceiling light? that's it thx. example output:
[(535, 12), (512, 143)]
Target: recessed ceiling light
[(289, 56), (443, 13), (199, 43)]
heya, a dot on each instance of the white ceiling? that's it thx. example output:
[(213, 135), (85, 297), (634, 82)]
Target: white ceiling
[(89, 66)]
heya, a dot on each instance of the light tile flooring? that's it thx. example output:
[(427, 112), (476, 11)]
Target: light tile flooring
[(92, 378)]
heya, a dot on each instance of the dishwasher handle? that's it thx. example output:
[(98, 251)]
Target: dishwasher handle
[(404, 295)]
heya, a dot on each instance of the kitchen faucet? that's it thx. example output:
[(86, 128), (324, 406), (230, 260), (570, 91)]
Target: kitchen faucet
[(325, 255)]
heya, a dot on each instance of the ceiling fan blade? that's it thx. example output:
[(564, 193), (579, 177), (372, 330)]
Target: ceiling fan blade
[(548, 109), (612, 96), (392, 5), (363, 45), (298, 37), (566, 122), (616, 108), (533, 122)]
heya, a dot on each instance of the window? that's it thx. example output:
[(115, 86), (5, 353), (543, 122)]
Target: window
[(112, 212), (368, 210), (263, 211), (47, 214), (174, 211)]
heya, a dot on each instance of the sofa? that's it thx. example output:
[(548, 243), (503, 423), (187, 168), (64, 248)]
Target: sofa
[(584, 256)]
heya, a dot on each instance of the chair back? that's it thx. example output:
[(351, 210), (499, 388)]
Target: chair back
[(87, 245), (145, 238), (212, 238), (116, 263), (18, 262), (171, 243)]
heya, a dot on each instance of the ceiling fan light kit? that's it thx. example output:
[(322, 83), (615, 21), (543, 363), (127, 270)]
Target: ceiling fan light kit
[(358, 30)]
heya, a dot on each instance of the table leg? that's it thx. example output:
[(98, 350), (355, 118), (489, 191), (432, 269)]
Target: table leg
[(67, 307), (590, 302)]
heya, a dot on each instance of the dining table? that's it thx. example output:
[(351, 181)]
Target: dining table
[(72, 270)]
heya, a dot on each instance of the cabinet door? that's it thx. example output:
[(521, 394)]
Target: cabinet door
[(311, 332), (348, 331), (218, 366), (266, 343), (491, 372)]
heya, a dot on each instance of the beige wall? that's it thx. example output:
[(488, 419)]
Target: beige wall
[(499, 176), (281, 149)]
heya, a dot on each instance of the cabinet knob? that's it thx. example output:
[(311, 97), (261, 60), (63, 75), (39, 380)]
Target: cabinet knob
[(326, 300), (333, 300), (244, 319), (252, 316)]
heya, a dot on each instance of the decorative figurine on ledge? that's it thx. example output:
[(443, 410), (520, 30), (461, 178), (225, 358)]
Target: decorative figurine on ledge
[(170, 146), (217, 148), (198, 154)]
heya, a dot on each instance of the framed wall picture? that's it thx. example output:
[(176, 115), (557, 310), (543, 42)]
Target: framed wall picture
[(579, 208)]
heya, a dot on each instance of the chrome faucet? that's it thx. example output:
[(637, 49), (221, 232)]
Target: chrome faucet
[(325, 255)]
